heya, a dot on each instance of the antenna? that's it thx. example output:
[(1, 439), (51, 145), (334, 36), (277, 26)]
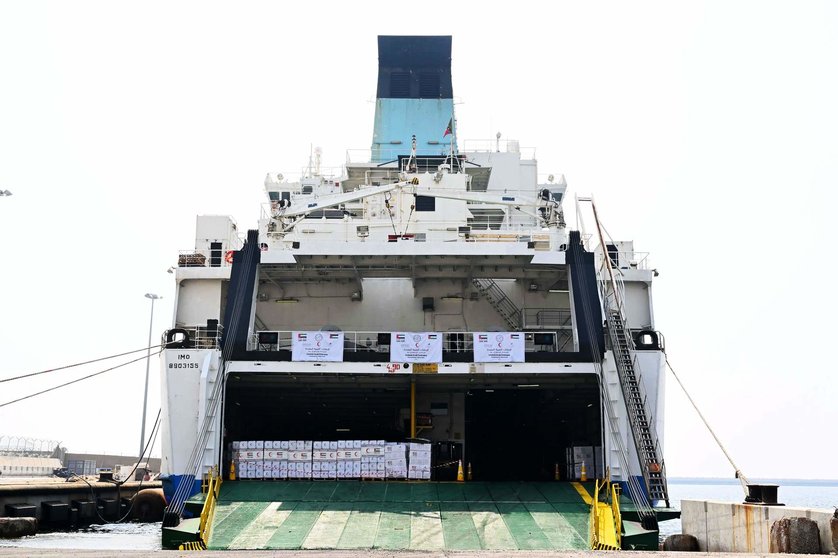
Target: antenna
[(317, 153)]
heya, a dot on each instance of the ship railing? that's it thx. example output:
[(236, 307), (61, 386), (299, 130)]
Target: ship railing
[(379, 342), (204, 258), (198, 337), (420, 228), (392, 154), (547, 318), (629, 259), (293, 182), (498, 146)]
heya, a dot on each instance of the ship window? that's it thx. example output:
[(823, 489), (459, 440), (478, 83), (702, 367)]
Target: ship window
[(428, 85), (613, 254), (308, 189), (400, 85), (425, 203)]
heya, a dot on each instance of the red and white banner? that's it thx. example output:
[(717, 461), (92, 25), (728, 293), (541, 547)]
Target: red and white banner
[(498, 346), (407, 346), (317, 346)]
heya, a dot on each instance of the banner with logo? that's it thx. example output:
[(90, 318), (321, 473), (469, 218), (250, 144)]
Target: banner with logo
[(318, 346), (415, 346), (498, 346)]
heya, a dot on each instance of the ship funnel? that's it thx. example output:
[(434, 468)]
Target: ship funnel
[(414, 97)]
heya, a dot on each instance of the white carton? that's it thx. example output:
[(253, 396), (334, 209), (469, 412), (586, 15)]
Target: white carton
[(419, 455), (284, 444)]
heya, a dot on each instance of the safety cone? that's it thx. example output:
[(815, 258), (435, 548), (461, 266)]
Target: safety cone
[(583, 473), (233, 470), (556, 472), (468, 472), (460, 471)]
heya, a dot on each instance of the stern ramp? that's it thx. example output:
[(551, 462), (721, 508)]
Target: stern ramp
[(399, 516)]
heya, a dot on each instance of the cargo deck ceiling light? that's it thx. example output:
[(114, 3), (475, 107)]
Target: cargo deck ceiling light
[(528, 385)]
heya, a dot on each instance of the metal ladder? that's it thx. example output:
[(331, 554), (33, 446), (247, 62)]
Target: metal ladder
[(645, 439), (510, 313)]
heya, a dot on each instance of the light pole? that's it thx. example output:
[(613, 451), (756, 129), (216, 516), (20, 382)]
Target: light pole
[(153, 297)]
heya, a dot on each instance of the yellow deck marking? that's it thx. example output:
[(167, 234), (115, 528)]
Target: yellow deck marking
[(327, 530), (261, 529), (583, 493)]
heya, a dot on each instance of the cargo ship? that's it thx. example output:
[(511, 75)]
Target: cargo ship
[(414, 351)]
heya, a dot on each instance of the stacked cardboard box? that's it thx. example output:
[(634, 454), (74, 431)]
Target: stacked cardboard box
[(372, 459), (324, 460), (395, 460), (349, 459), (419, 461), (341, 459), (249, 459), (276, 460), (299, 459), (591, 456)]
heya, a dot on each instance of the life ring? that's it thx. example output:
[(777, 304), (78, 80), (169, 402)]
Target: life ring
[(228, 257)]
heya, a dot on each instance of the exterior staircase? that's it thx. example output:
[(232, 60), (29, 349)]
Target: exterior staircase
[(496, 296), (645, 439)]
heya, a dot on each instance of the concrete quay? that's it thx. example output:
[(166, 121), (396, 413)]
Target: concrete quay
[(57, 504), (721, 527)]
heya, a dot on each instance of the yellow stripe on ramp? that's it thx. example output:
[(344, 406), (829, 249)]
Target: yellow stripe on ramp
[(583, 493)]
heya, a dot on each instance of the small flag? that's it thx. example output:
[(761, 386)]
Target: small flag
[(450, 128)]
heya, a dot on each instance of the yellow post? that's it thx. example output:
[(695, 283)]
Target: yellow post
[(233, 470), (583, 474), (468, 472), (556, 472), (460, 471), (412, 408)]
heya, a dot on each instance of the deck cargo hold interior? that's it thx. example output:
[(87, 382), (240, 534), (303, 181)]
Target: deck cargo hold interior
[(508, 427)]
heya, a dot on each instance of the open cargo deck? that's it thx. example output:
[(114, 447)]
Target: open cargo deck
[(400, 516)]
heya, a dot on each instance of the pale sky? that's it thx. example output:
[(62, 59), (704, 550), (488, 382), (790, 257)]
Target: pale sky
[(705, 131)]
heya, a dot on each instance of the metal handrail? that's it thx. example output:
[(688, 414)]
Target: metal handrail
[(213, 488), (594, 522), (615, 509)]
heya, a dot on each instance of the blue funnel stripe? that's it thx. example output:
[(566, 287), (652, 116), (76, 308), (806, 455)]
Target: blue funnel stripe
[(415, 97)]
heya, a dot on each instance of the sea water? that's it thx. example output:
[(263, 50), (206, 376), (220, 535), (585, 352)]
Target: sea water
[(146, 536)]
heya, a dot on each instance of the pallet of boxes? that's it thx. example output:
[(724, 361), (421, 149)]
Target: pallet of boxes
[(330, 460)]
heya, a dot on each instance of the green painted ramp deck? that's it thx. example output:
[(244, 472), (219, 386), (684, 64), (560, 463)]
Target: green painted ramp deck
[(399, 516)]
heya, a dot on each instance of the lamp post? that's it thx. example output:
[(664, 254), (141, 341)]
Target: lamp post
[(153, 297)]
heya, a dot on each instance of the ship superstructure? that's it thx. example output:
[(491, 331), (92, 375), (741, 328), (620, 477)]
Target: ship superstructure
[(430, 290)]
